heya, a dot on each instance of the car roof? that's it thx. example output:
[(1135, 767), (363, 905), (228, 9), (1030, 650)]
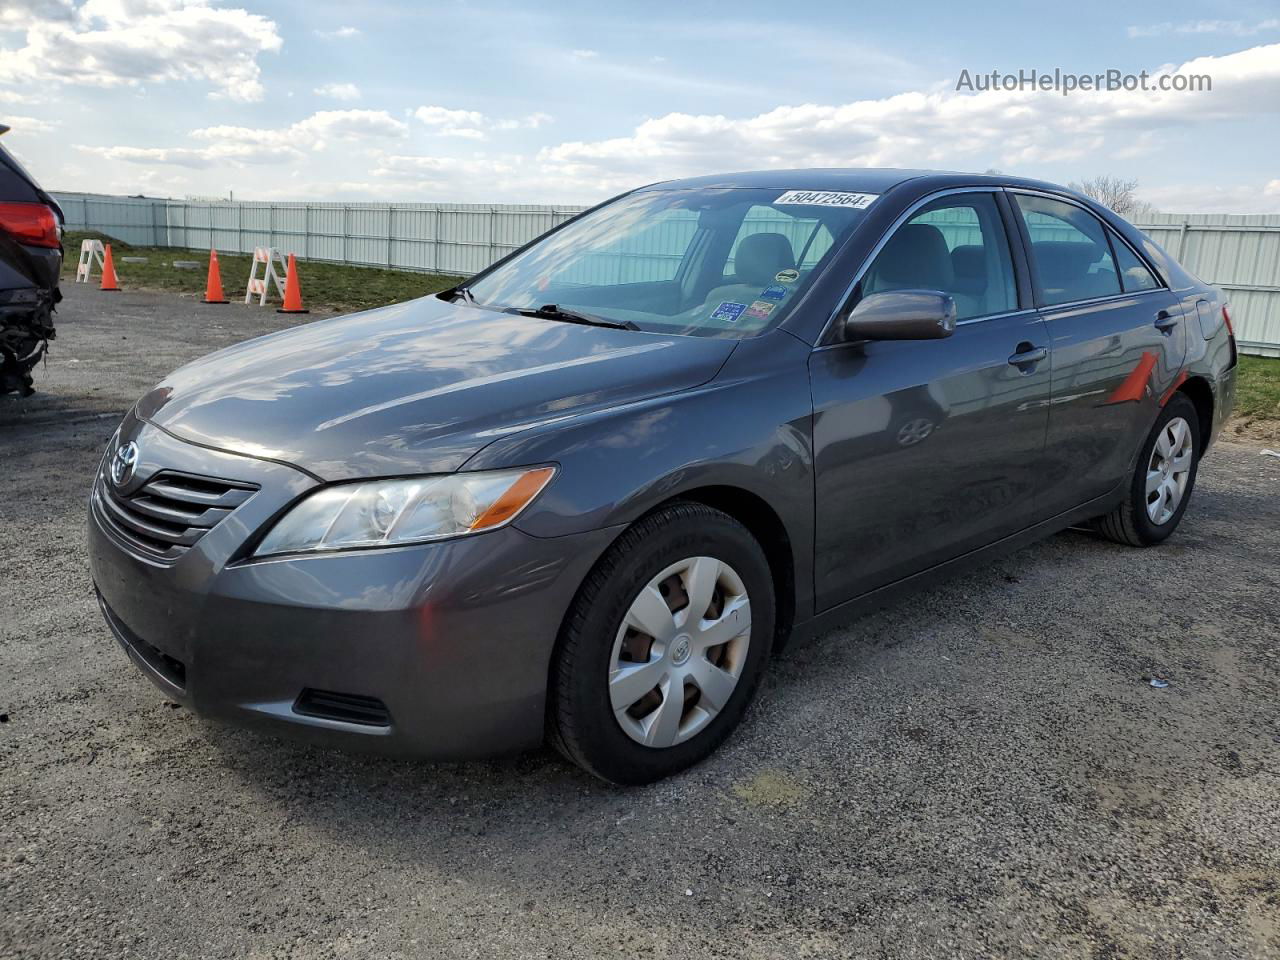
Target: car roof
[(853, 179)]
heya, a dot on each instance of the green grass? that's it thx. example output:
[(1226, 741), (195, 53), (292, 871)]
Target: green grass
[(333, 286), (1258, 388)]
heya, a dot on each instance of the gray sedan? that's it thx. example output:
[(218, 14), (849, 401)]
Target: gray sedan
[(587, 495)]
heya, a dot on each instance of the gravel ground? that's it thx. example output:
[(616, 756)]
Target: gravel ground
[(980, 771)]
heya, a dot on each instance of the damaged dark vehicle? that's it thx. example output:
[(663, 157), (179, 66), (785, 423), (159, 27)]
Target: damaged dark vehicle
[(30, 260)]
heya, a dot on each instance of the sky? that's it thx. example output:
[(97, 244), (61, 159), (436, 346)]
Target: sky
[(570, 102)]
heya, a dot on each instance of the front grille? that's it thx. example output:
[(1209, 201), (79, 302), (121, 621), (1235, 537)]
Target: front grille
[(165, 517), (345, 707)]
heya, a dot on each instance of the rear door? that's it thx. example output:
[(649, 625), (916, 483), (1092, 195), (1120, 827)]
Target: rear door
[(1118, 340), (927, 449)]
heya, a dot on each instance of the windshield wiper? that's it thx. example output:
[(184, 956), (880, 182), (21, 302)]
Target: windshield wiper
[(550, 311)]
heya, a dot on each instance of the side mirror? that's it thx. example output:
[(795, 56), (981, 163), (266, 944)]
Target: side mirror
[(902, 315)]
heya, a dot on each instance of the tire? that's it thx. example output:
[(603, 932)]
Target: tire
[(1131, 523), (603, 656)]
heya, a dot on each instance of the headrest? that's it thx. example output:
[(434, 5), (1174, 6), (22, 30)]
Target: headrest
[(760, 256), (915, 257), (970, 261), (1064, 263)]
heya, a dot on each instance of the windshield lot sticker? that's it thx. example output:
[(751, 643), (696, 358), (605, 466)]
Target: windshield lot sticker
[(728, 311), (787, 276), (775, 292), (823, 198), (759, 310)]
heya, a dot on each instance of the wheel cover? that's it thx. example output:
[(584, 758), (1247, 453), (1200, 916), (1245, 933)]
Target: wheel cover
[(1169, 470), (680, 651), (913, 431)]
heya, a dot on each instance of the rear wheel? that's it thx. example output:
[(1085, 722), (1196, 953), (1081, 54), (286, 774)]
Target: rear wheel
[(1163, 479), (663, 647)]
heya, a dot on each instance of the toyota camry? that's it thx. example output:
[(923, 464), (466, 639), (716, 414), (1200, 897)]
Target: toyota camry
[(587, 495)]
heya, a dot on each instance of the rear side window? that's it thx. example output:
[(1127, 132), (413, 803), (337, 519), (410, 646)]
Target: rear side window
[(956, 244), (1069, 251), (1134, 274)]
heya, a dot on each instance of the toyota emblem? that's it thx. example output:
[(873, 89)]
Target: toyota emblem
[(122, 464)]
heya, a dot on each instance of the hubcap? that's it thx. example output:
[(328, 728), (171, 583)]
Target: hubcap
[(913, 431), (1169, 470), (680, 651)]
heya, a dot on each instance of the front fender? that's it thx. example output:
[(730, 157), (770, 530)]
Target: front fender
[(750, 429)]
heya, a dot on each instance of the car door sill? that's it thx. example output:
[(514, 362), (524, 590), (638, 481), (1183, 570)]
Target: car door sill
[(931, 576)]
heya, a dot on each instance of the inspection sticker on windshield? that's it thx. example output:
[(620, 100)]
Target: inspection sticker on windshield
[(728, 311), (822, 198), (759, 310)]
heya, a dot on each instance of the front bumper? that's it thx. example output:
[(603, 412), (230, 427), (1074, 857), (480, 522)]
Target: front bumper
[(454, 638)]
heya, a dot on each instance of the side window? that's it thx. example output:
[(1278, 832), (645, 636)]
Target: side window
[(956, 244), (1134, 274), (1069, 250)]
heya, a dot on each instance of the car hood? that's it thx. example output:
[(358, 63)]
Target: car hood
[(417, 387)]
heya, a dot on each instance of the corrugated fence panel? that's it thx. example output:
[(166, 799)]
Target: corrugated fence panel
[(1240, 253)]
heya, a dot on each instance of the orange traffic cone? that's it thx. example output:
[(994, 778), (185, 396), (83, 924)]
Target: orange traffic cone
[(213, 287), (109, 282), (292, 290)]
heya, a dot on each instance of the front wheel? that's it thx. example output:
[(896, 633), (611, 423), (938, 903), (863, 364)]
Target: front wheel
[(1163, 479), (663, 646)]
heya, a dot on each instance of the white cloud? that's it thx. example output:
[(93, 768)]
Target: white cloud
[(1234, 28), (1009, 130), (453, 123), (1215, 198), (221, 154), (314, 132), (584, 54), (530, 122), (22, 12), (341, 33), (22, 125), (112, 43), (473, 125), (240, 146), (338, 91), (1035, 133)]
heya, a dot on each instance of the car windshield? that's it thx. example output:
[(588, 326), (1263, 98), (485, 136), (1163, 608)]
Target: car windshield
[(724, 262)]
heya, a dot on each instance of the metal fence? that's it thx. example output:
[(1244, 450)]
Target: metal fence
[(1239, 253)]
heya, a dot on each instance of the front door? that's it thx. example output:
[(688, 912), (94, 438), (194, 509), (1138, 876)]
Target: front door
[(925, 450)]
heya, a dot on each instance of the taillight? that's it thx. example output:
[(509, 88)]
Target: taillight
[(30, 223), (1226, 318)]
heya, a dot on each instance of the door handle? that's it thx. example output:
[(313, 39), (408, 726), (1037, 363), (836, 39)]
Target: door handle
[(1165, 321), (1029, 356)]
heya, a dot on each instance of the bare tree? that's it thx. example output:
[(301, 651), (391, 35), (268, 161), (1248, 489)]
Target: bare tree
[(1117, 193)]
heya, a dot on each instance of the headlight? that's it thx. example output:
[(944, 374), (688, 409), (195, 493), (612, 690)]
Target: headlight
[(383, 513)]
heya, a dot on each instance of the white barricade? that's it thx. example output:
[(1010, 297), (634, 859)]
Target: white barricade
[(90, 251), (270, 258)]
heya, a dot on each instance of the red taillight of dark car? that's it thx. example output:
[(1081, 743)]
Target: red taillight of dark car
[(1226, 318), (34, 224)]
